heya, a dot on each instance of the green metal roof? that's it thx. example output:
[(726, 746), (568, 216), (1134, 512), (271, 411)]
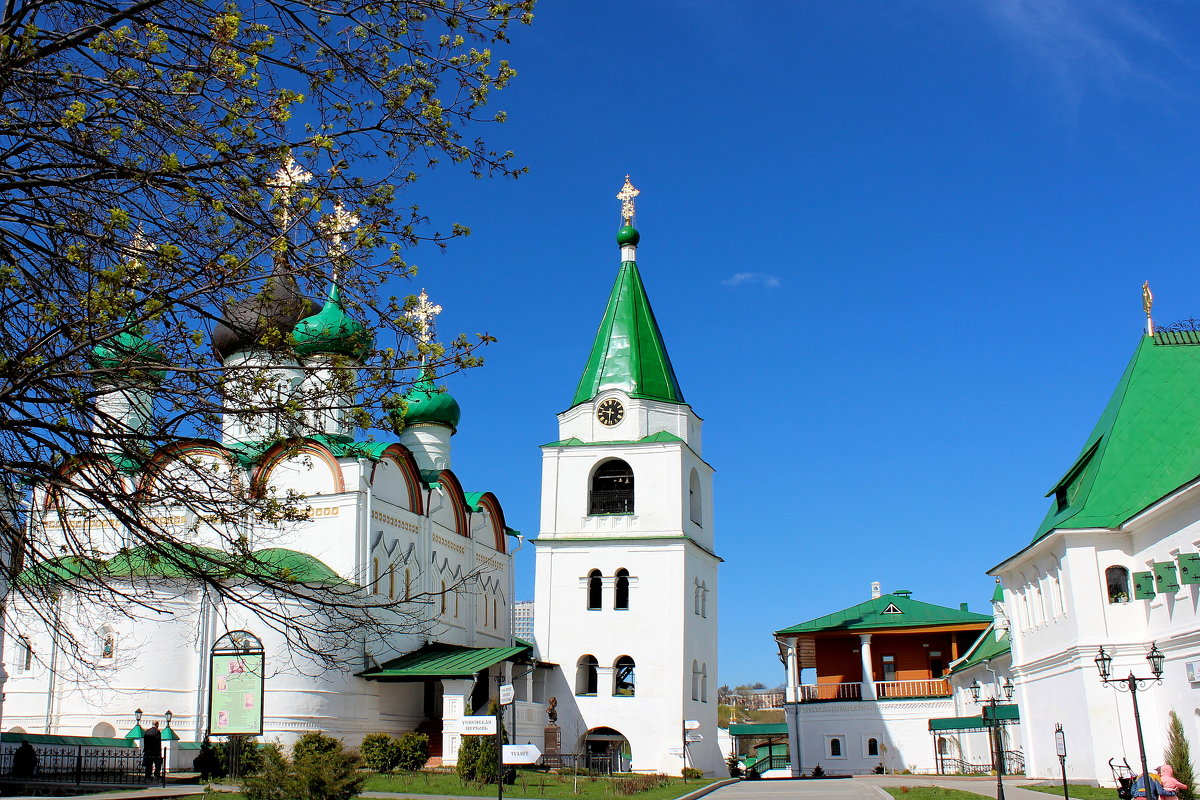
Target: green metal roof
[(1146, 443), (1005, 714), (629, 353), (986, 648), (171, 560), (889, 611), (42, 738), (443, 661), (759, 729)]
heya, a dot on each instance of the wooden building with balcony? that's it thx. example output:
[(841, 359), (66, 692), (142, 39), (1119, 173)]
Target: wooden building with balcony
[(876, 674)]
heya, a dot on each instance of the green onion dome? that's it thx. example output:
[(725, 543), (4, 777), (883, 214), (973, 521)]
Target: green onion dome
[(332, 330), (427, 405), (129, 350), (628, 235)]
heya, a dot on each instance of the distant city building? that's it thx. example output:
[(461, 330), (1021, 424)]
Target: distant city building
[(522, 617)]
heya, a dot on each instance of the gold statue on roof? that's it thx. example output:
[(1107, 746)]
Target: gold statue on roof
[(1147, 304)]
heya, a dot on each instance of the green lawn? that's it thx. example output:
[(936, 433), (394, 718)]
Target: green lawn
[(928, 793), (1078, 791), (530, 784)]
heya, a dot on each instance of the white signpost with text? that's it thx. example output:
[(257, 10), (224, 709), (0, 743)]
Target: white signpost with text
[(521, 754), (477, 726)]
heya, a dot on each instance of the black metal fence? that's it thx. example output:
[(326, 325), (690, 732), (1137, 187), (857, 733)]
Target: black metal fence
[(603, 764), (82, 765)]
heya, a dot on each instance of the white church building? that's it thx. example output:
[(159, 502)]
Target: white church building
[(625, 610), (1115, 564)]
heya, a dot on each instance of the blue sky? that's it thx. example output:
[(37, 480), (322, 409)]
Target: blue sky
[(895, 248)]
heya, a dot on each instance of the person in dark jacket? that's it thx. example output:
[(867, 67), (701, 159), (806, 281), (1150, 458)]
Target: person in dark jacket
[(152, 751)]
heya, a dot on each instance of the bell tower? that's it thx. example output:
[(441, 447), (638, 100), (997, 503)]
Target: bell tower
[(626, 581)]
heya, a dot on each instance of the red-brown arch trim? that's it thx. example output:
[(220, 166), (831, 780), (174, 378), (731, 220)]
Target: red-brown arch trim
[(491, 504), (79, 463), (454, 491), (280, 452), (399, 455), (174, 450)]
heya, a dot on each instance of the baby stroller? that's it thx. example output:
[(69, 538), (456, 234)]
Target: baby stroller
[(1123, 775)]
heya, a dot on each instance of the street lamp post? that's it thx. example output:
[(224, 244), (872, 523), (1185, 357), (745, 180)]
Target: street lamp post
[(992, 721), (1132, 684)]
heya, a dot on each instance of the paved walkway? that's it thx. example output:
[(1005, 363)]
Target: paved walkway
[(868, 787)]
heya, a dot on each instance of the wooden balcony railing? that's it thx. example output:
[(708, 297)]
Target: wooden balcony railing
[(884, 690), (932, 688)]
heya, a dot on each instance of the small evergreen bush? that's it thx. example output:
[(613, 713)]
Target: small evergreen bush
[(380, 752), (412, 751), (691, 773), (315, 742), (818, 772), (468, 755), (1179, 756), (734, 765), (273, 780)]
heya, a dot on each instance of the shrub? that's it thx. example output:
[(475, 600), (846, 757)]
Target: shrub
[(1179, 756), (314, 773), (315, 742), (691, 773), (879, 768), (380, 752), (818, 772), (273, 780), (250, 759), (326, 775), (412, 751), (734, 765), (638, 784), (468, 756)]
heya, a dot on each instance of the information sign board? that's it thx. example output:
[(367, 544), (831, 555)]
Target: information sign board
[(506, 694), (236, 694)]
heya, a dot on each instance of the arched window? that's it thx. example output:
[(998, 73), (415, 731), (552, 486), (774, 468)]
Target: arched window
[(595, 591), (103, 730), (695, 680), (374, 574), (696, 596), (621, 593), (586, 675), (623, 677), (703, 599), (485, 607), (694, 504), (943, 746), (612, 489), (704, 683), (835, 748), (1118, 584), (24, 654), (495, 613), (872, 747), (443, 596), (391, 581), (407, 584), (456, 604)]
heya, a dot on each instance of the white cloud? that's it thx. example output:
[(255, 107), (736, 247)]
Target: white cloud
[(1110, 42), (753, 279)]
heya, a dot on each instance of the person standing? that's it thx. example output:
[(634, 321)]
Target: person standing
[(152, 751)]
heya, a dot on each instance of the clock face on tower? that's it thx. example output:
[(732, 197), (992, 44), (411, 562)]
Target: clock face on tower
[(610, 412)]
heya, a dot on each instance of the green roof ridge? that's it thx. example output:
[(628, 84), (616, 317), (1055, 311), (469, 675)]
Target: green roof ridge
[(988, 647), (1145, 445), (874, 614), (629, 353)]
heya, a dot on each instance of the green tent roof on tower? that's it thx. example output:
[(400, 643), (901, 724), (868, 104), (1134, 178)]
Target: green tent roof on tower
[(629, 353), (1146, 444)]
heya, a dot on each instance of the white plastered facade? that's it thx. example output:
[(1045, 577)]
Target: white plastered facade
[(665, 544)]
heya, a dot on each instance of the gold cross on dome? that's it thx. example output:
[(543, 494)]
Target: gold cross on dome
[(288, 179), (422, 314), (339, 223), (626, 196)]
